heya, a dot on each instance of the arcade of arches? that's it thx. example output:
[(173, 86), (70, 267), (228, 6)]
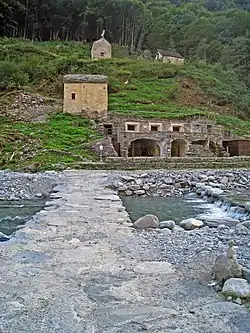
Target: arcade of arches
[(178, 148)]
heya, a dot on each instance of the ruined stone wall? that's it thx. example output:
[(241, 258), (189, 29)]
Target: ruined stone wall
[(190, 131)]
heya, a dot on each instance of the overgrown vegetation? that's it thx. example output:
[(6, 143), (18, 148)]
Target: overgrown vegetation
[(56, 144), (135, 85)]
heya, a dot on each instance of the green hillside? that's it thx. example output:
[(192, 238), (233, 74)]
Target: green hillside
[(137, 87)]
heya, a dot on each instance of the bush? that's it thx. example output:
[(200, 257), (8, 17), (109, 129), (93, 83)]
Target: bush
[(11, 76)]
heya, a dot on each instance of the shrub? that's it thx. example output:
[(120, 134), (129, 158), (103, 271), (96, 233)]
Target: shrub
[(11, 76)]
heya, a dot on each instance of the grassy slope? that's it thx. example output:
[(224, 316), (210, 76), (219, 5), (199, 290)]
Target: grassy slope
[(39, 67)]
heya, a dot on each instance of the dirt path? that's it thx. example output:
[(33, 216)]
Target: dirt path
[(105, 281)]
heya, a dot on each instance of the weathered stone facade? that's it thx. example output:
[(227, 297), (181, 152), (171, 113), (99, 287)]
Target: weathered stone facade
[(101, 49), (86, 95), (134, 136), (238, 147)]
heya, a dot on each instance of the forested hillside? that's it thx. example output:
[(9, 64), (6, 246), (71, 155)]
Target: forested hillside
[(215, 31)]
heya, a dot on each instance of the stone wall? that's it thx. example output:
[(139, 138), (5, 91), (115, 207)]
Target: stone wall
[(192, 130), (168, 163), (86, 97)]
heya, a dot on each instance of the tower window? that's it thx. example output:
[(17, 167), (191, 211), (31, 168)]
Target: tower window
[(102, 54), (73, 95)]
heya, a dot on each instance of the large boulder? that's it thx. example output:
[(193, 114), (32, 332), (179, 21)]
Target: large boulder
[(236, 287), (226, 265), (191, 224), (215, 192), (147, 221)]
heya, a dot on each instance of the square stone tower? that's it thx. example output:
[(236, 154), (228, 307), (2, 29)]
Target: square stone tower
[(86, 95)]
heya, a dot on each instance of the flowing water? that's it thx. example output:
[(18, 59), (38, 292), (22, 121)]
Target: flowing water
[(15, 213), (178, 209)]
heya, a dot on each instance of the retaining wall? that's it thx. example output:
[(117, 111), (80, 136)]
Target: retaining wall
[(147, 163)]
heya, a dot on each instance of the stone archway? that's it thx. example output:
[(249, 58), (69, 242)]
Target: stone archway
[(213, 147), (179, 148), (144, 147)]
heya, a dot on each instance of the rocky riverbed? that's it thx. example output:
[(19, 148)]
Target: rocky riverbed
[(231, 189), (24, 186), (80, 266)]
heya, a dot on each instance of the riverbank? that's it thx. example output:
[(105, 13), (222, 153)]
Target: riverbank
[(78, 266), (26, 186)]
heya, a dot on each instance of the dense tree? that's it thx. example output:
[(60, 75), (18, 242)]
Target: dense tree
[(214, 31)]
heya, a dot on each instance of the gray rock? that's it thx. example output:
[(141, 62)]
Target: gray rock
[(139, 182), (135, 187), (147, 221), (167, 224), (214, 223), (247, 206), (140, 192), (164, 186), (238, 301), (127, 178), (246, 224), (128, 193), (241, 229), (123, 188), (143, 175), (246, 274), (215, 192), (3, 237), (224, 180), (191, 224), (146, 187), (236, 287), (168, 180), (226, 265)]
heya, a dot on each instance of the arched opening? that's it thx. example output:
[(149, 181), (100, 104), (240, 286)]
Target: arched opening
[(213, 147), (144, 147), (179, 148)]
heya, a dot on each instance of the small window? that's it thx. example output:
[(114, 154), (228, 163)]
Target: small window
[(209, 129), (154, 128), (131, 127), (176, 128), (108, 129), (102, 54), (73, 96)]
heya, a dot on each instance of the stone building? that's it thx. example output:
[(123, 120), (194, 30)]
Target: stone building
[(86, 95), (132, 136), (101, 49), (169, 57), (237, 147), (135, 136)]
